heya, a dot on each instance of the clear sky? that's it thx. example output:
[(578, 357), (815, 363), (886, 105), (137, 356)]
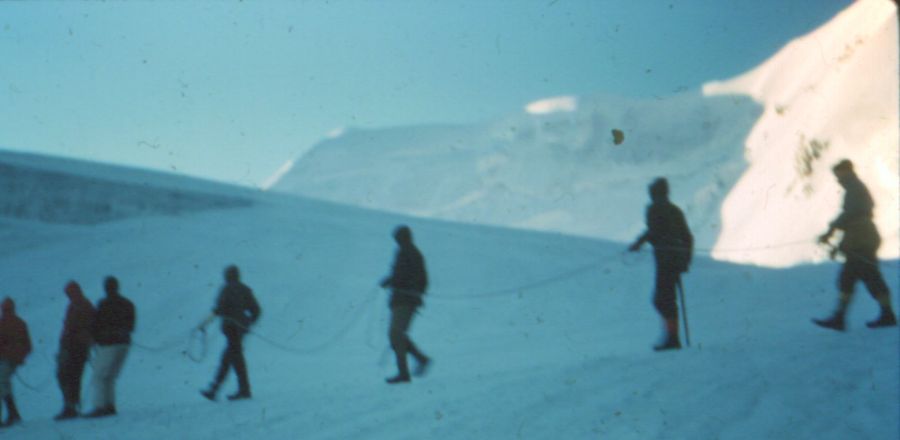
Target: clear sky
[(231, 90)]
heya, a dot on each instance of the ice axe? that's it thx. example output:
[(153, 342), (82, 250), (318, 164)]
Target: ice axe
[(684, 318)]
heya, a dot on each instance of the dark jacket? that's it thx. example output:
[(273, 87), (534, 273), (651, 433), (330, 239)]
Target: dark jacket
[(79, 320), (15, 343), (860, 234), (668, 232), (237, 307), (408, 277), (114, 321)]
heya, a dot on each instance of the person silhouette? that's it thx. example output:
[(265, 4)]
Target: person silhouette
[(673, 244), (408, 281), (239, 310), (859, 245)]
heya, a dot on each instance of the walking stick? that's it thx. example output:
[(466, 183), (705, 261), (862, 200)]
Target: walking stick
[(687, 333)]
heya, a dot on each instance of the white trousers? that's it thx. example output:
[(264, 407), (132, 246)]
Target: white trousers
[(108, 363)]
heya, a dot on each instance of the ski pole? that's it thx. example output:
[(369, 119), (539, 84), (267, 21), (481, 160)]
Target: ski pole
[(687, 333)]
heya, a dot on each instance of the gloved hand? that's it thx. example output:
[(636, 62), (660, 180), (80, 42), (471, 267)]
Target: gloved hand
[(205, 322), (823, 239), (832, 253)]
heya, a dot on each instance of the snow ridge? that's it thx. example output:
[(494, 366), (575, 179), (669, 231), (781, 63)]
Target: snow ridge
[(61, 191), (556, 171)]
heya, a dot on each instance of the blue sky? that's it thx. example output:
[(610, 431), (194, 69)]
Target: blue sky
[(231, 90)]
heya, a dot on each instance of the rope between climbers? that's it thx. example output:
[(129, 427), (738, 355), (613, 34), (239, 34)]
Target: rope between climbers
[(343, 331)]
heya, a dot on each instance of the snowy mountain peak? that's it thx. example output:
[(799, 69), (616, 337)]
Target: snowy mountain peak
[(554, 167), (562, 162)]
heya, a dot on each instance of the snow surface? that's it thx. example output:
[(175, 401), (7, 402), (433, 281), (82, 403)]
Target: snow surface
[(68, 191), (748, 159), (829, 95), (556, 171), (534, 335)]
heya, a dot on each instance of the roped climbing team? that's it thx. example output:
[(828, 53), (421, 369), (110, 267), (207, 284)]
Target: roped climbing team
[(109, 325)]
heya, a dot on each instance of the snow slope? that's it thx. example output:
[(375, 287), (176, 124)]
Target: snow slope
[(829, 95), (748, 159), (69, 191), (534, 335), (555, 167)]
